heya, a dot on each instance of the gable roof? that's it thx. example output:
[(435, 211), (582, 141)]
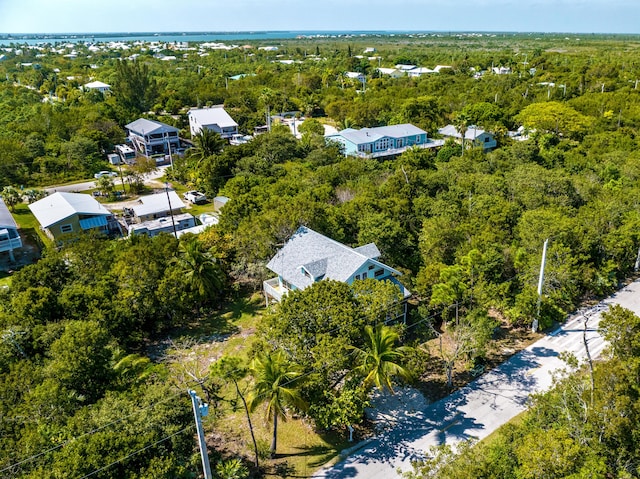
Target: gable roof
[(97, 84), (62, 205), (216, 115), (471, 133), (369, 135), (142, 126), (157, 203), (321, 257)]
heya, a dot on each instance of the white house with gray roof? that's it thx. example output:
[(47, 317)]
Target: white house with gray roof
[(308, 257), (214, 118), (382, 141), (472, 136)]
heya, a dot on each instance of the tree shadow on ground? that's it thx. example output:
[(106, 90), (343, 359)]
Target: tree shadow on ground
[(322, 454)]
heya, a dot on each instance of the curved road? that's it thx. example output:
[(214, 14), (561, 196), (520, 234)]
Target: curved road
[(482, 406)]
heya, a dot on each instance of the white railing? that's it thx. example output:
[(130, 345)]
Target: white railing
[(273, 289)]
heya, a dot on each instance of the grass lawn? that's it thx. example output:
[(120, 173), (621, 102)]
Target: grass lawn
[(29, 225), (300, 450)]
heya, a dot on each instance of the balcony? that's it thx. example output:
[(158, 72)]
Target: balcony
[(273, 289), (9, 244), (398, 151)]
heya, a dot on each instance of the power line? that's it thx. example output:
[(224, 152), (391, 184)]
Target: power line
[(93, 431), (384, 309), (136, 452)]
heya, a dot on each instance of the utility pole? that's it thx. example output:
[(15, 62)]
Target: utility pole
[(199, 411), (173, 222), (536, 321)]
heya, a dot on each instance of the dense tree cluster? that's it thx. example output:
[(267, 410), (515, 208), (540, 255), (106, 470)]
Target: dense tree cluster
[(72, 326), (465, 228)]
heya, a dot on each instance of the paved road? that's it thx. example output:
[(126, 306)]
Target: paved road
[(89, 185), (482, 406)]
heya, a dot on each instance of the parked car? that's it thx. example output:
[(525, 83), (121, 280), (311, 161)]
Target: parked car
[(101, 174), (195, 197)]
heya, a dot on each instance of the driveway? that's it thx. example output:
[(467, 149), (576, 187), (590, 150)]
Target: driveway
[(481, 407)]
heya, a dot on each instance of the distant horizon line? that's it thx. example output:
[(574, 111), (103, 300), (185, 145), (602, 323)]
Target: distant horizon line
[(289, 31)]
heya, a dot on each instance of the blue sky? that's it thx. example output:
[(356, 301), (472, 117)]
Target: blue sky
[(580, 16)]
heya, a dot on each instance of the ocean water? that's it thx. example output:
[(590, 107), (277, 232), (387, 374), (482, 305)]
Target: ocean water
[(34, 39)]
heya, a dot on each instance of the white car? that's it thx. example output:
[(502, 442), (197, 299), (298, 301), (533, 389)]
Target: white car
[(195, 197), (101, 174)]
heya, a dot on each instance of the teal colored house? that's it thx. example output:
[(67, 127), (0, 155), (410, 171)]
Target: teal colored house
[(382, 141)]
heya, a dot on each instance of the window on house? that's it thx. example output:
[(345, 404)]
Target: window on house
[(378, 273), (357, 276), (364, 275), (371, 267), (418, 139), (66, 228), (486, 139)]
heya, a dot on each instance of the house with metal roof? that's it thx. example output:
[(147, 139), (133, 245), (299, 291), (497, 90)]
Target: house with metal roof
[(308, 257), (383, 141), (392, 72), (156, 206), (472, 136), (62, 214), (214, 118), (97, 86), (150, 137), (9, 236)]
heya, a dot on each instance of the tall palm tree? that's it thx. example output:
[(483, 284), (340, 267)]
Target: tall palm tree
[(462, 121), (273, 376), (379, 362), (200, 271)]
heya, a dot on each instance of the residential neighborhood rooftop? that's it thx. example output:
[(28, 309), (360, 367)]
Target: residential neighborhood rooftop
[(471, 133), (321, 257), (215, 115), (6, 218), (158, 203), (366, 135), (61, 205), (145, 127)]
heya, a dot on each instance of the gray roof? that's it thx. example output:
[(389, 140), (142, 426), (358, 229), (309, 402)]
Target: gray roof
[(369, 250), (471, 133), (6, 219), (322, 257), (62, 205), (158, 203), (369, 135), (216, 115), (142, 126)]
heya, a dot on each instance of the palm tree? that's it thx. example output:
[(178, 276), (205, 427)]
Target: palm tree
[(207, 143), (199, 269), (273, 375), (462, 121), (379, 361)]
